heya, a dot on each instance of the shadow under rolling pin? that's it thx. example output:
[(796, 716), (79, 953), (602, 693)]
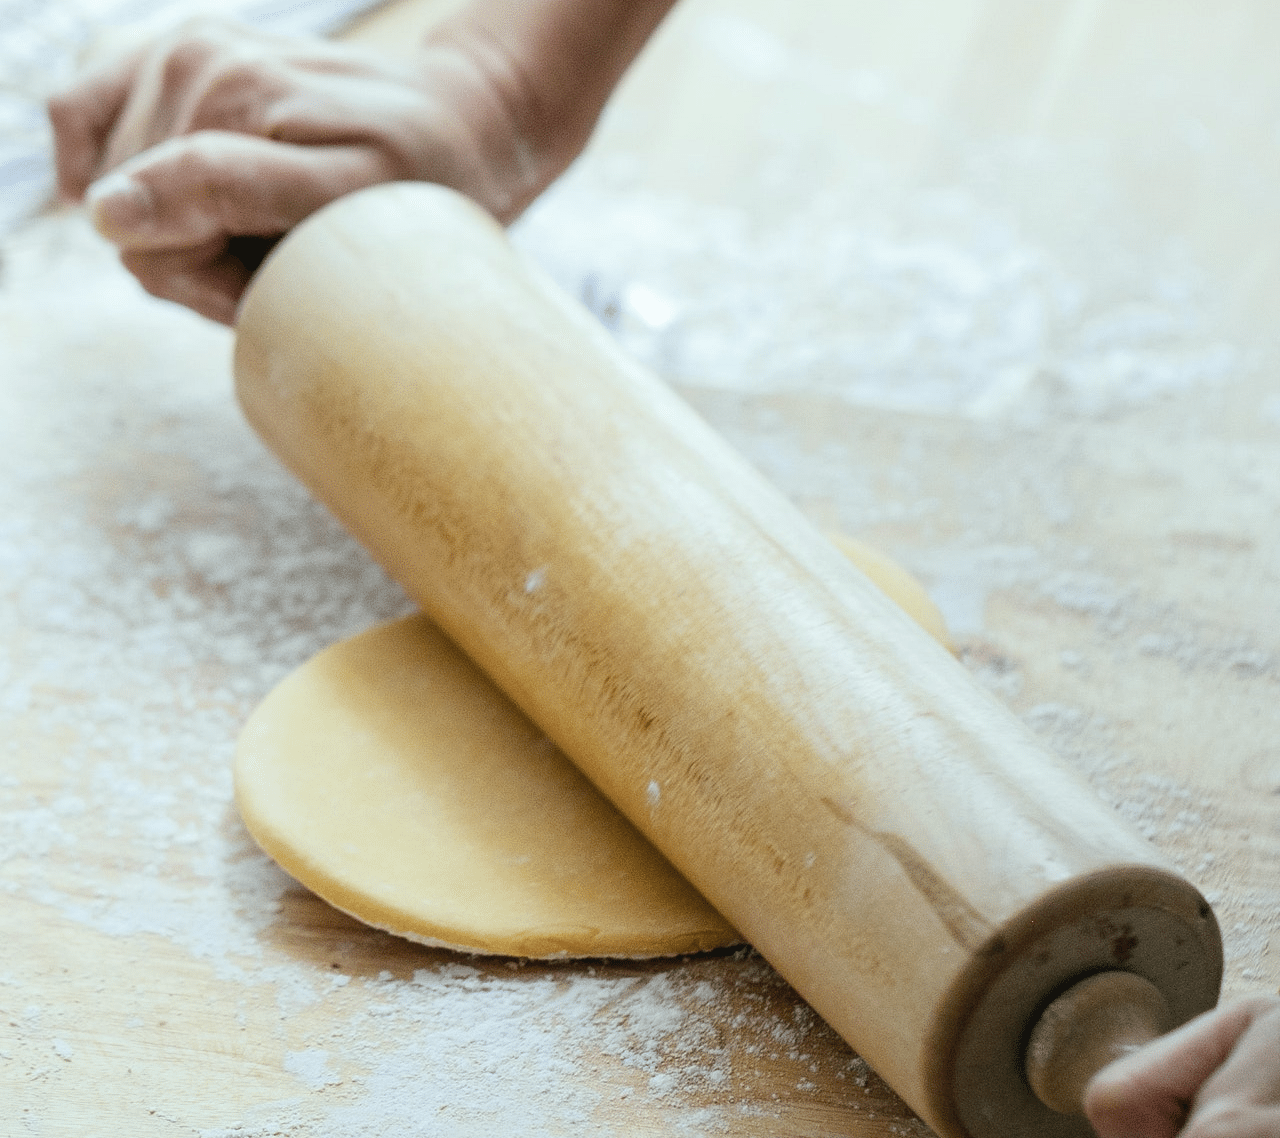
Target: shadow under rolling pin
[(889, 837)]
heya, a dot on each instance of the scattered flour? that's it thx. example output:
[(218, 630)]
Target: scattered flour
[(940, 306), (159, 573), (311, 1067)]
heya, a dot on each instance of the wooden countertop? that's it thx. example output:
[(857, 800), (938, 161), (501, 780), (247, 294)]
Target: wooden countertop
[(986, 286)]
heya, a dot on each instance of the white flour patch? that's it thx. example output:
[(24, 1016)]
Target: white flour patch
[(158, 617), (311, 1068), (935, 305)]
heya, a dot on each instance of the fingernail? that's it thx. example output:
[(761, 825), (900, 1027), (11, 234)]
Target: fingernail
[(120, 205)]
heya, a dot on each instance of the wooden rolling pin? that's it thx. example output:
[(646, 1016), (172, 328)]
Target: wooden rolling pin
[(886, 834)]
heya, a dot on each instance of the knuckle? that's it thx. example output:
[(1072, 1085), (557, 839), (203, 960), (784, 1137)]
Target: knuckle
[(238, 91), (244, 76), (239, 70), (159, 287), (182, 60), (68, 112), (154, 281), (61, 106), (193, 46)]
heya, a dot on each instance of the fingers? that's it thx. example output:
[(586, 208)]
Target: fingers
[(1148, 1094), (1218, 1076), (82, 118), (146, 87), (189, 190), (208, 76), (172, 209), (215, 132), (1241, 1099), (205, 278)]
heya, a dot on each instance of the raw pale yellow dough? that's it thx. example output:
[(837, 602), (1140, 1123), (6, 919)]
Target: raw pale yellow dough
[(389, 776)]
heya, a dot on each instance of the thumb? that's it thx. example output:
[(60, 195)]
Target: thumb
[(1150, 1093), (190, 190)]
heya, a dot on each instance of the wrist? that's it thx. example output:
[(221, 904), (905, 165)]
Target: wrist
[(545, 69), (515, 148)]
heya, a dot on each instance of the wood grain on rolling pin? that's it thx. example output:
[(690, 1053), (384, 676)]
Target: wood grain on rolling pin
[(887, 835)]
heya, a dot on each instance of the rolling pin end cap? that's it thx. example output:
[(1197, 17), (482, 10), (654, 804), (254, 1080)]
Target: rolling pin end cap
[(1093, 1023)]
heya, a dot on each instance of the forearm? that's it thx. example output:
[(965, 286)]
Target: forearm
[(552, 65)]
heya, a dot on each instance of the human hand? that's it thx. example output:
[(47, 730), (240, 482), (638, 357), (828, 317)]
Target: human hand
[(1215, 1077), (213, 131)]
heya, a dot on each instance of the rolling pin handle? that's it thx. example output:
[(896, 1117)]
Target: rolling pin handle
[(250, 251), (1093, 1023)]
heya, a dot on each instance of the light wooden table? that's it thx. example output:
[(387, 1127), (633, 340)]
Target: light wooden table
[(988, 284)]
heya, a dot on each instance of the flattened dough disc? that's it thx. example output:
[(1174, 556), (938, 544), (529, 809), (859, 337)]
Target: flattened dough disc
[(389, 776)]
